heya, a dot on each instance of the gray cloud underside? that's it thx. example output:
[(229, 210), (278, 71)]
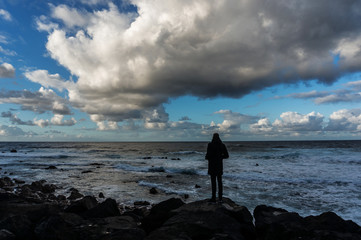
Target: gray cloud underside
[(128, 64), (40, 101)]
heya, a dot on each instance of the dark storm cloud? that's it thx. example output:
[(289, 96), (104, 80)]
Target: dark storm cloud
[(203, 48)]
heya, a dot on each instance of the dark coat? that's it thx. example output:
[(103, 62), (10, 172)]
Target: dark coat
[(216, 152)]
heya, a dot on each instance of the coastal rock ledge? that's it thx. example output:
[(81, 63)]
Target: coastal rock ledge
[(58, 218)]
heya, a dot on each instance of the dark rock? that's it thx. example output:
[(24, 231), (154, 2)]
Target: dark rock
[(19, 225), (82, 205), (51, 168), (108, 208), (169, 176), (160, 213), (101, 195), (54, 228), (6, 235), (97, 164), (13, 151), (48, 188), (197, 186), (153, 191), (274, 223), (177, 159), (75, 195), (61, 198), (147, 157), (87, 171), (6, 182), (141, 203), (17, 181), (203, 220)]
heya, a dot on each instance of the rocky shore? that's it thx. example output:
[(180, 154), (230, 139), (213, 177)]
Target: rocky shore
[(33, 211)]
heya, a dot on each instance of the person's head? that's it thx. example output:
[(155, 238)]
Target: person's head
[(216, 138)]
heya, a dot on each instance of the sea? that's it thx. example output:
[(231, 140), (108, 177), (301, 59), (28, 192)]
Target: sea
[(307, 177)]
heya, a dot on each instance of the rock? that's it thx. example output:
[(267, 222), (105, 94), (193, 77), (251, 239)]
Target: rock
[(17, 181), (19, 225), (274, 223), (6, 182), (80, 206), (75, 195), (153, 190), (197, 186), (6, 235), (108, 208), (13, 151), (48, 188), (87, 171), (54, 228), (203, 220), (51, 167), (160, 213), (141, 203), (101, 195)]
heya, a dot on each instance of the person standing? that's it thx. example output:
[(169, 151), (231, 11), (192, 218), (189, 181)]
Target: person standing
[(216, 152)]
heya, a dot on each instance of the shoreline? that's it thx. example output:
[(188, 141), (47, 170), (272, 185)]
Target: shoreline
[(32, 211)]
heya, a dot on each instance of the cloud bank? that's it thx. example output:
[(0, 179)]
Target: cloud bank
[(128, 64)]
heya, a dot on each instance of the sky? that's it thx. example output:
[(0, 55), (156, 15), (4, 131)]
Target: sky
[(180, 70)]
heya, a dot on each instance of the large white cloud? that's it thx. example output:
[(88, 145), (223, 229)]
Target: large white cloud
[(129, 64), (345, 120)]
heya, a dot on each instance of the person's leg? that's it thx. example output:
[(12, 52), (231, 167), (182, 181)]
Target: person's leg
[(214, 185), (220, 187)]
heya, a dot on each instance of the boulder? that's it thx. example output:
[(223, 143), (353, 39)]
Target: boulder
[(275, 223), (54, 228), (19, 225), (160, 213), (204, 220), (82, 205), (6, 235), (108, 208)]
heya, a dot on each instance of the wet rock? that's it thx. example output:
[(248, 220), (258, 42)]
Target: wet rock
[(6, 182), (141, 203), (153, 191), (87, 171), (203, 220), (82, 205), (101, 195), (197, 186), (54, 228), (51, 167), (75, 194), (108, 208), (18, 181), (160, 213), (19, 225), (274, 223), (13, 151), (6, 235), (175, 159)]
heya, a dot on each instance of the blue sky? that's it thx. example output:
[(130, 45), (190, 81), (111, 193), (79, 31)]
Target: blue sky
[(140, 70)]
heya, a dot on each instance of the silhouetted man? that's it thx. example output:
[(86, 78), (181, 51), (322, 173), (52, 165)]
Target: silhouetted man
[(216, 152)]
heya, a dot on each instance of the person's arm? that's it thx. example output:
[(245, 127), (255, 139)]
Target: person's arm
[(225, 152), (207, 154)]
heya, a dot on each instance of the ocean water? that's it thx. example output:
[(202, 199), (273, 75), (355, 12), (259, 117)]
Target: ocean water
[(309, 177)]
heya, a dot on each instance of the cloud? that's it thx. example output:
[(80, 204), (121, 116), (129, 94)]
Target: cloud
[(351, 92), (290, 123), (5, 15), (129, 64), (15, 119), (7, 70), (40, 101), (345, 120), (49, 80), (8, 131), (233, 121)]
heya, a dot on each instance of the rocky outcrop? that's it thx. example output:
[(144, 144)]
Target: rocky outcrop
[(278, 224), (32, 211)]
